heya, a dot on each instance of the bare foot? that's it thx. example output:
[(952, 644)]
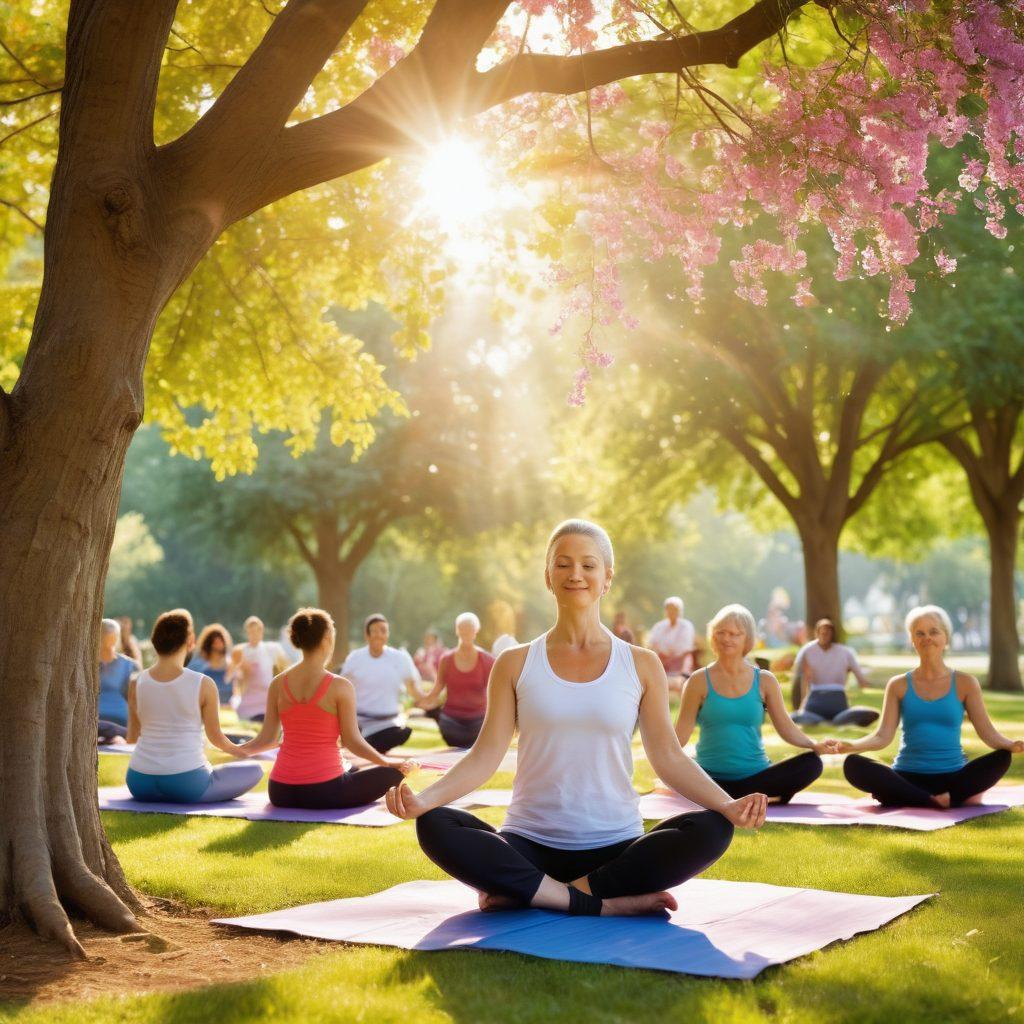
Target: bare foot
[(490, 902), (632, 906), (942, 799)]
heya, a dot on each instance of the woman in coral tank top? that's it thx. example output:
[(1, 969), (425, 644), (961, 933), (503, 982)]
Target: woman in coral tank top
[(316, 709)]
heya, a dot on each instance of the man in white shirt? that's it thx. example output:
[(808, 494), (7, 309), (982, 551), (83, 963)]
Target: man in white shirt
[(254, 665), (380, 675), (673, 639), (820, 672)]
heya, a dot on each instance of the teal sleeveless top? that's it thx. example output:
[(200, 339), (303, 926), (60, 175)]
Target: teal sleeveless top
[(730, 744), (930, 742)]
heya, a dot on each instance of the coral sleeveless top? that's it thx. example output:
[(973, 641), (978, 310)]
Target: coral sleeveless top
[(309, 751)]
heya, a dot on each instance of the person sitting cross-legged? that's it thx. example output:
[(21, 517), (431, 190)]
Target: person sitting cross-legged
[(169, 706), (573, 839), (931, 768), (728, 700), (317, 709)]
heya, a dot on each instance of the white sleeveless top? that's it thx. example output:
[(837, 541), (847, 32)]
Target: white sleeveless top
[(172, 725), (573, 788), (259, 674)]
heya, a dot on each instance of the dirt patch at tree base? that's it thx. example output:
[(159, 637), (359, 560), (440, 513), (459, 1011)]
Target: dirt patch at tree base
[(181, 950)]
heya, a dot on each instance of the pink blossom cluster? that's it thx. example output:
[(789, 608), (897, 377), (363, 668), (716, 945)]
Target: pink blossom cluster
[(844, 145)]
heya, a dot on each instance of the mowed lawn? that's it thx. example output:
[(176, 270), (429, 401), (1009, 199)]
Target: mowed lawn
[(959, 957)]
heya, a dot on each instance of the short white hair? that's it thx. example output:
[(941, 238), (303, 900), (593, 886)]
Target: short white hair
[(470, 617), (925, 611), (676, 602), (583, 528), (737, 615), (109, 626)]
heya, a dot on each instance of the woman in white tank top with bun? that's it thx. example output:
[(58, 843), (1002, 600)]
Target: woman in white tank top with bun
[(573, 839), (169, 708)]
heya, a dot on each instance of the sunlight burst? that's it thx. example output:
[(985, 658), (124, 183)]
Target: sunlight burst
[(456, 185)]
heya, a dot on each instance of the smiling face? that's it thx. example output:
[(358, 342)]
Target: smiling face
[(728, 639), (377, 637), (576, 572), (927, 635), (466, 631), (825, 633)]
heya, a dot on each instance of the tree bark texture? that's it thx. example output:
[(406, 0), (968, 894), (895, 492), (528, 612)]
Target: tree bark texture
[(1003, 532), (821, 573)]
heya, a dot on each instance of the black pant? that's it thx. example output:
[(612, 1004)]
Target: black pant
[(505, 864), (393, 736), (459, 732), (107, 731), (353, 789), (832, 706), (782, 780), (915, 789)]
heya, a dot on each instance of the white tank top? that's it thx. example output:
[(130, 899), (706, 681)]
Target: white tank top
[(259, 674), (573, 788), (172, 725)]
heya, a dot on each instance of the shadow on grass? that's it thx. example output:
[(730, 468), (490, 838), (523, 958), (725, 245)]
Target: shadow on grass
[(126, 826), (256, 836)]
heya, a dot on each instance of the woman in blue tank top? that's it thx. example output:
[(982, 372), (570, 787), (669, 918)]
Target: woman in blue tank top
[(728, 701), (931, 769)]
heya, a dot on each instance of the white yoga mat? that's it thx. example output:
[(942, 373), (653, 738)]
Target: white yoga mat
[(721, 929), (811, 808)]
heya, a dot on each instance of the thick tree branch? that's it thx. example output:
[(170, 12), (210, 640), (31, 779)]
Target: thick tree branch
[(364, 543), (305, 550), (420, 95), (114, 50), (754, 459), (258, 100), (535, 72)]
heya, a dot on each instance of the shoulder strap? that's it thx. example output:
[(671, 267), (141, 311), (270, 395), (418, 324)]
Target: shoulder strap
[(288, 690), (322, 688)]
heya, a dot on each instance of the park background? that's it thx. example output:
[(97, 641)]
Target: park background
[(509, 318)]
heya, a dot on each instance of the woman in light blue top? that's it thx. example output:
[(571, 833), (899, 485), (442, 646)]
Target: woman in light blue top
[(728, 701), (931, 769)]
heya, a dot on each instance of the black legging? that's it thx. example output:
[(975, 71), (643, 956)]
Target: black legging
[(782, 780), (384, 739), (459, 732), (505, 864), (353, 789), (915, 789)]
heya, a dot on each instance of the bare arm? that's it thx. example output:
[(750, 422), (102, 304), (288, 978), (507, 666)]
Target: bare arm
[(886, 729), (694, 692), (484, 756), (667, 758), (974, 702), (859, 674), (209, 708), (433, 698), (269, 735), (771, 693), (134, 725)]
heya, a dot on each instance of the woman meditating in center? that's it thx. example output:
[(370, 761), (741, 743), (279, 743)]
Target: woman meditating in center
[(573, 839), (315, 709), (728, 700)]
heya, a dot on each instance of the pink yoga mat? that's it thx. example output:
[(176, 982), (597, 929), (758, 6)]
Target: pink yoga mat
[(256, 807), (810, 808), (722, 929), (442, 760)]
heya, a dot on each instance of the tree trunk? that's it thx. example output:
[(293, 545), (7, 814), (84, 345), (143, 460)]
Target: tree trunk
[(114, 251), (333, 588), (1004, 642), (821, 573)]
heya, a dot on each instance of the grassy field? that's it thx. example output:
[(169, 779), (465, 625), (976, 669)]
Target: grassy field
[(959, 957)]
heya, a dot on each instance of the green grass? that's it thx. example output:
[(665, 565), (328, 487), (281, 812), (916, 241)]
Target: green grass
[(959, 957)]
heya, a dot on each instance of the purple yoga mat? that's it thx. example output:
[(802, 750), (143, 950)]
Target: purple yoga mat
[(256, 807), (722, 929), (809, 808)]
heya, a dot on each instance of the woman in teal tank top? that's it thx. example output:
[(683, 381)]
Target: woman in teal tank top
[(728, 701), (931, 769)]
